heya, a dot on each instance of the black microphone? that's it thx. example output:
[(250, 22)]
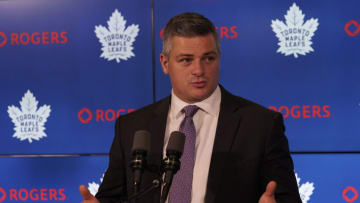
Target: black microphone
[(140, 148), (171, 164)]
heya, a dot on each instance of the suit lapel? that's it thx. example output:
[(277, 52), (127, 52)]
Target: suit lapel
[(157, 126), (228, 124)]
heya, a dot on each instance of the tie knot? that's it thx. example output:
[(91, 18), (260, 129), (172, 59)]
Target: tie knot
[(190, 110)]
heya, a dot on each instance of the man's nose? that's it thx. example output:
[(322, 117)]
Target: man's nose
[(198, 68)]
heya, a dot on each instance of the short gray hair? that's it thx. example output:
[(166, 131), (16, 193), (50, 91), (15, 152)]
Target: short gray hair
[(188, 25)]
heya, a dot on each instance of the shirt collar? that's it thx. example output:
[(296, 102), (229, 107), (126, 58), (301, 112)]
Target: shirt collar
[(209, 105)]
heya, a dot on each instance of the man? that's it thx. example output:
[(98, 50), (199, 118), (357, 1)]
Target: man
[(240, 152)]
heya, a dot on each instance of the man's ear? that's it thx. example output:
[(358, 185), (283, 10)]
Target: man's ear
[(164, 63)]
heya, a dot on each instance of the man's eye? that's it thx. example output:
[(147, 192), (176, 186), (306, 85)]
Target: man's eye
[(210, 58), (185, 60)]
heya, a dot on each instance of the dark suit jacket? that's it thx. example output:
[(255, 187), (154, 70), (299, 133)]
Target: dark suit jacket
[(250, 149)]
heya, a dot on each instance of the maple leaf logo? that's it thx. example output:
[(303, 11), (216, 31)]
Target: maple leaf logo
[(29, 121), (295, 36), (305, 190), (94, 187), (117, 41)]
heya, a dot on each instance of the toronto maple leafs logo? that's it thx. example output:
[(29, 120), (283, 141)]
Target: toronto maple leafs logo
[(295, 36), (305, 190), (94, 187), (29, 121), (116, 40)]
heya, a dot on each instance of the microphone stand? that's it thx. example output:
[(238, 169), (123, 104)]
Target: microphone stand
[(165, 192), (170, 165), (149, 188)]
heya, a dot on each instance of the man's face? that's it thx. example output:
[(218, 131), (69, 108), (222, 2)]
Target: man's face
[(193, 67)]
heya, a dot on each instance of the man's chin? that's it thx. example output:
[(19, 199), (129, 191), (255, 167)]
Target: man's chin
[(200, 96)]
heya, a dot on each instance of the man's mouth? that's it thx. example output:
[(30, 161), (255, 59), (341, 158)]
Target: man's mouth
[(199, 84)]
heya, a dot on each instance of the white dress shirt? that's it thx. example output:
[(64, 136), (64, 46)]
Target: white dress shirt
[(205, 121)]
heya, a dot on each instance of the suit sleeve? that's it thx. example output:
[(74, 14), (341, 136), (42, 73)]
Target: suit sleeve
[(113, 187), (279, 165)]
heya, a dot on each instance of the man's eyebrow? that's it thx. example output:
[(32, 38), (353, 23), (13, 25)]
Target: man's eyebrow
[(184, 55), (210, 53)]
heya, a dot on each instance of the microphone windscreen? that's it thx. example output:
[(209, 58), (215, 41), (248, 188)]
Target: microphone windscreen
[(141, 141), (176, 142)]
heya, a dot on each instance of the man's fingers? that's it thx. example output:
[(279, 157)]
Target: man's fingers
[(85, 193), (270, 188), (269, 195)]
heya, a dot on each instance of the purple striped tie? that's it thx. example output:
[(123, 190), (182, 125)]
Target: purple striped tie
[(180, 191)]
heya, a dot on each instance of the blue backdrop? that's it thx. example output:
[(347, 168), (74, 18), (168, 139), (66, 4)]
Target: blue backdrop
[(68, 69)]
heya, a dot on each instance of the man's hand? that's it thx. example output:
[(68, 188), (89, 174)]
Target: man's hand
[(269, 194), (88, 197)]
